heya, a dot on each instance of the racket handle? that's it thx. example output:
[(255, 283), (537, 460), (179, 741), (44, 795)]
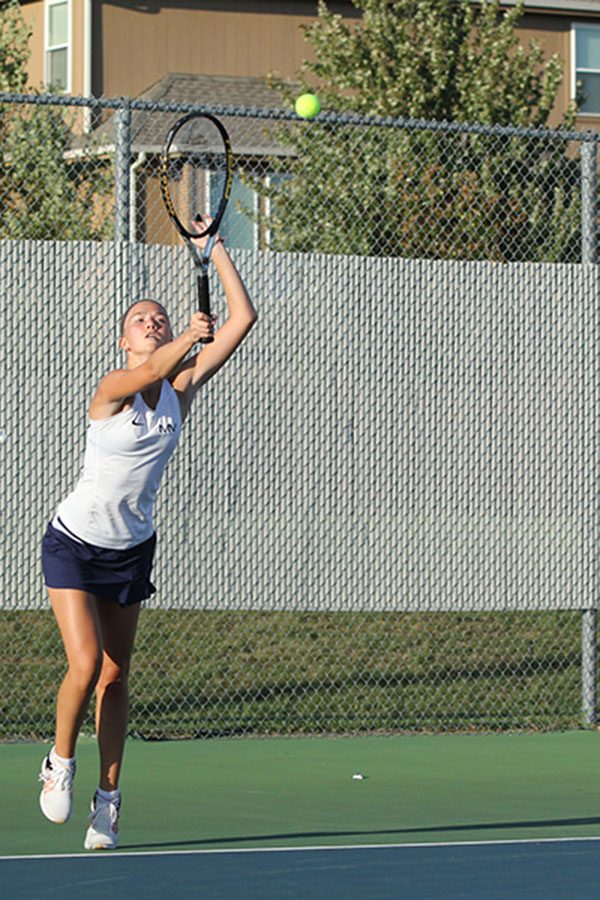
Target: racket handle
[(204, 300)]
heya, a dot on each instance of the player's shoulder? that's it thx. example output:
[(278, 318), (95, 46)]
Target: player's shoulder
[(110, 376), (104, 403)]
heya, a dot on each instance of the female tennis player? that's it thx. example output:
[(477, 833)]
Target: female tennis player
[(97, 552)]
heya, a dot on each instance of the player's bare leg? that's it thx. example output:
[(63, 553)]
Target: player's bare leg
[(76, 615), (118, 628)]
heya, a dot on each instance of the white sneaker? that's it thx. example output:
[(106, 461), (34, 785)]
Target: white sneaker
[(103, 833), (56, 798)]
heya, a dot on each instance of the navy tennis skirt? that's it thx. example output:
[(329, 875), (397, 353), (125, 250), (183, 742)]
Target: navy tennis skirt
[(119, 575)]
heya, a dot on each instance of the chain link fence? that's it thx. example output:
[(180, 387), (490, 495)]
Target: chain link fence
[(383, 514)]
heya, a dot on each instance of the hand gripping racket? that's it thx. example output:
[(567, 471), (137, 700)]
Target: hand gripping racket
[(196, 173)]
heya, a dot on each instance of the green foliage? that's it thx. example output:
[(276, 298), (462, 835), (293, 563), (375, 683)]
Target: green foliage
[(433, 59), (52, 192), (51, 188), (407, 192), (14, 47)]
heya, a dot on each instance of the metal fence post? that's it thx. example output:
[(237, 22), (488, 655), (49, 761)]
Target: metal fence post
[(589, 254), (589, 187), (122, 171), (588, 665)]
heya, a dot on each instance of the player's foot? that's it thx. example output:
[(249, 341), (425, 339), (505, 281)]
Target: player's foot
[(103, 833), (56, 798)]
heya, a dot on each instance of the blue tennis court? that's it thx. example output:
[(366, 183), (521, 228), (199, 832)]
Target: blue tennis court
[(553, 869)]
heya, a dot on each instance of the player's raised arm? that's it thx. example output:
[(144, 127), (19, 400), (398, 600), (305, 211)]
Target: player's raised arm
[(241, 317)]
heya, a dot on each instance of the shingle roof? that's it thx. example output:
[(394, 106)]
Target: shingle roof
[(544, 7), (249, 136), (214, 90)]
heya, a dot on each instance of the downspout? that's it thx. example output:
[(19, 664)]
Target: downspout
[(87, 63), (141, 159)]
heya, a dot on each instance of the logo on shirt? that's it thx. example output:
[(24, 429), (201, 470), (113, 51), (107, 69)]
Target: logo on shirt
[(165, 425)]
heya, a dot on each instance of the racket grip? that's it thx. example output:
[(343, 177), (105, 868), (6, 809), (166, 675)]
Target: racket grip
[(204, 300)]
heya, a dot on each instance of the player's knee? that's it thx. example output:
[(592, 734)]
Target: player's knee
[(113, 674), (85, 670)]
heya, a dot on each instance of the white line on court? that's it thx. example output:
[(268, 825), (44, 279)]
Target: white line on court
[(220, 850)]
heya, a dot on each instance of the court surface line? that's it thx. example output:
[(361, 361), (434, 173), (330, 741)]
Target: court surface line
[(238, 850)]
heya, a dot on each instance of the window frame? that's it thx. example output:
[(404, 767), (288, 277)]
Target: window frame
[(574, 67), (50, 48)]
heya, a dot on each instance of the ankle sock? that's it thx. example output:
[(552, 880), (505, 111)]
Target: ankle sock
[(61, 760), (109, 796)]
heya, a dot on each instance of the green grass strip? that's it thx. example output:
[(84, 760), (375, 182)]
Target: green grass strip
[(211, 673)]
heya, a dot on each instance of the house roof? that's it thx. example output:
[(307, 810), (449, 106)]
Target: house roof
[(214, 90), (585, 7), (568, 6), (582, 6), (250, 136)]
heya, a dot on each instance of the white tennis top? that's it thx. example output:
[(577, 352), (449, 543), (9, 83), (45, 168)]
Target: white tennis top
[(125, 457)]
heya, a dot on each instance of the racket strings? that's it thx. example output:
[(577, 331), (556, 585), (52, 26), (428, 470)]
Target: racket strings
[(196, 173)]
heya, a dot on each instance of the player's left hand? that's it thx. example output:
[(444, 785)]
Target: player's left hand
[(202, 326), (201, 224)]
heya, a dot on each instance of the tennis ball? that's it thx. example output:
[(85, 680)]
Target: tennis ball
[(307, 106)]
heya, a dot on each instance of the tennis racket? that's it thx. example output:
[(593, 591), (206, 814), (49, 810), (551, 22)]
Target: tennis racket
[(196, 175)]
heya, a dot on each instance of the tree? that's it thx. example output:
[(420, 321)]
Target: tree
[(14, 47), (48, 190), (433, 59), (419, 192)]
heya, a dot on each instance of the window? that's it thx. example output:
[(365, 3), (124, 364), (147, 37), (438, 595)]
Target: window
[(238, 227), (57, 44), (586, 69)]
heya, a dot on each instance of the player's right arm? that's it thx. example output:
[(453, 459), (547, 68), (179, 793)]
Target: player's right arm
[(116, 387)]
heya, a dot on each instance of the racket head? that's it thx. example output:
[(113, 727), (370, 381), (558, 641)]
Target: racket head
[(196, 173)]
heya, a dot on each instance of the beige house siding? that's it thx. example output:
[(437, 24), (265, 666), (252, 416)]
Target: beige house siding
[(34, 16), (77, 52), (553, 33), (134, 45), (242, 38)]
